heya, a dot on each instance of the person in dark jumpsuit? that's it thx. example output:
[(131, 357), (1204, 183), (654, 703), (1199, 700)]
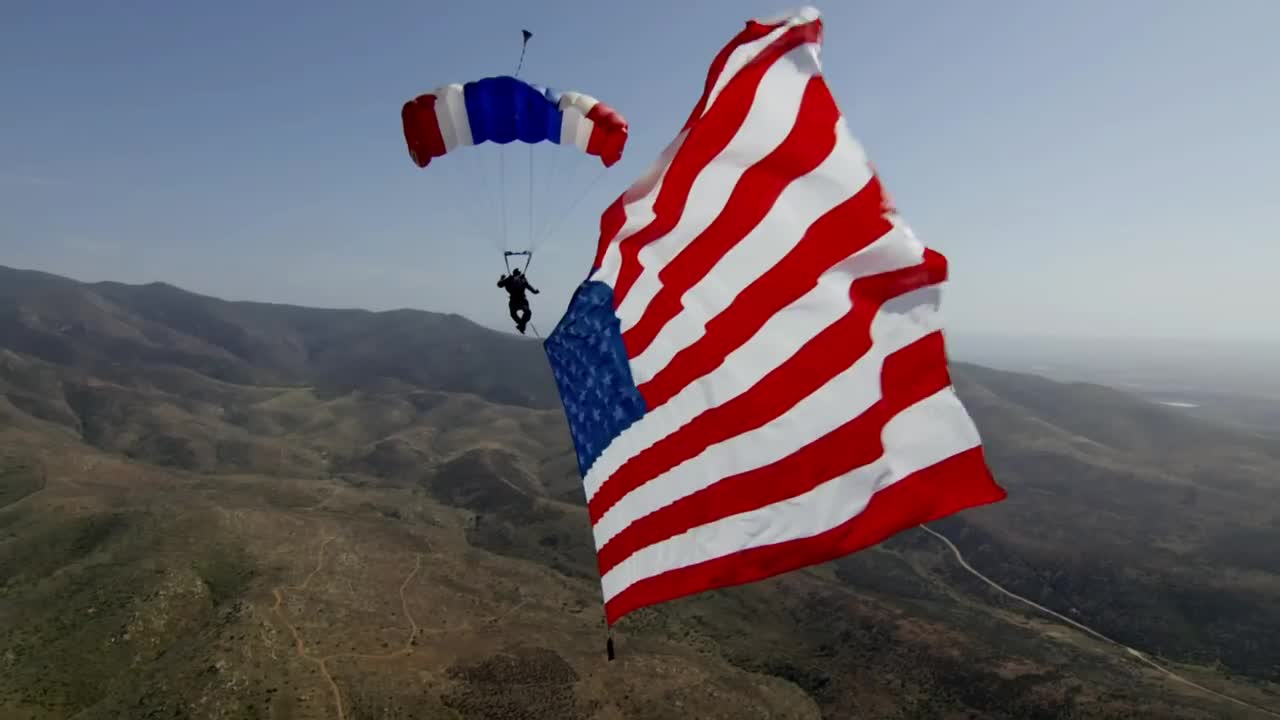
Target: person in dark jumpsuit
[(516, 284)]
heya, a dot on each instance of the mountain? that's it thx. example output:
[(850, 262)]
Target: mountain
[(226, 509), (113, 330)]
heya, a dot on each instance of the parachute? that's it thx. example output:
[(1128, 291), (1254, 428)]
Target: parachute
[(477, 125), (504, 109), (754, 371)]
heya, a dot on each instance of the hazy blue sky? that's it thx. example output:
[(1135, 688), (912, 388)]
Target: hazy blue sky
[(1089, 167)]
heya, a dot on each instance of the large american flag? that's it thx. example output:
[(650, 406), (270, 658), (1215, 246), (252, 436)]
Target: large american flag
[(754, 372)]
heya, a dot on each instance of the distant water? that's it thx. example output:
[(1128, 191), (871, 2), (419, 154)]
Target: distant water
[(1172, 403)]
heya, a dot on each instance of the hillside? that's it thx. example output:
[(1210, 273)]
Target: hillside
[(112, 330), (225, 509)]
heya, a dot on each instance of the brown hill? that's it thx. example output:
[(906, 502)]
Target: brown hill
[(115, 331), (215, 509)]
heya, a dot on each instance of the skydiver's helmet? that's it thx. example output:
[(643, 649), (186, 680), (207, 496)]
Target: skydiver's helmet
[(516, 273)]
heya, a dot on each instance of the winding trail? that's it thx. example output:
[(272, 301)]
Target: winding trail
[(415, 630), (323, 662), (299, 645), (1132, 652), (413, 624)]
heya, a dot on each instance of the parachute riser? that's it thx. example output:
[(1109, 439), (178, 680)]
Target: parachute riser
[(528, 258)]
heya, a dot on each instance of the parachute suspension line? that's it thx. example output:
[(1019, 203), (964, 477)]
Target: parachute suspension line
[(549, 232), (523, 47), (530, 227), (502, 190), (484, 203), (528, 258), (550, 181), (570, 179), (493, 197), (565, 178), (580, 190)]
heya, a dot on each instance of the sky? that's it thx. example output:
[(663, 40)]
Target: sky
[(1089, 168)]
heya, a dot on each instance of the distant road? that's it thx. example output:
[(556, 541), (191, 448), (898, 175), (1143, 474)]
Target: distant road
[(1133, 653)]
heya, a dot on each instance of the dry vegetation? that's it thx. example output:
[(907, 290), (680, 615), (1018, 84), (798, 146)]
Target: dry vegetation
[(229, 520)]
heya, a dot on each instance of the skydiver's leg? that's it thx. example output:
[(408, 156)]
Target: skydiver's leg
[(520, 314)]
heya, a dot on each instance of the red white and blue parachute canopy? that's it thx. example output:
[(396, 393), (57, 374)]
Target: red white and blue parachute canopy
[(504, 109)]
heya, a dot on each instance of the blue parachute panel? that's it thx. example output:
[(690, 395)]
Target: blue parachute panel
[(505, 109)]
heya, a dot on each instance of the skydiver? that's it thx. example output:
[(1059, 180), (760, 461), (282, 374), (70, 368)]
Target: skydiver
[(517, 302)]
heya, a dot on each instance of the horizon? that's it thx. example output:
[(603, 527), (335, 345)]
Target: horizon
[(218, 159), (955, 339)]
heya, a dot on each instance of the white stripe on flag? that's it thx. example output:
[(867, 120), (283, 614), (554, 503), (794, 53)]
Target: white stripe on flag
[(921, 436), (839, 177), (762, 130), (777, 339), (739, 58), (761, 133), (899, 323)]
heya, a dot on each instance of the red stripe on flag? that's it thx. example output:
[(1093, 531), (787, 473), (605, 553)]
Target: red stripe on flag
[(611, 221), (615, 216), (422, 129), (809, 143), (959, 482), (750, 33), (823, 357), (706, 139), (909, 375), (846, 229)]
